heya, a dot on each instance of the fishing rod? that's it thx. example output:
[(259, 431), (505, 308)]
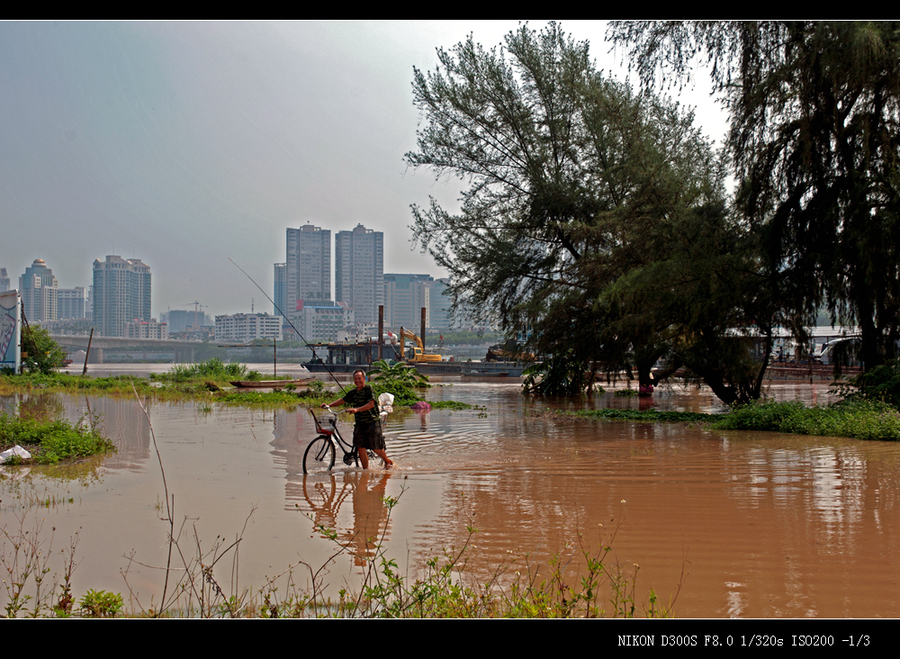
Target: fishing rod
[(308, 345)]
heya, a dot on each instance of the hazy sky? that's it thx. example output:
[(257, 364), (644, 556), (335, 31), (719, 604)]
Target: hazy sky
[(186, 143)]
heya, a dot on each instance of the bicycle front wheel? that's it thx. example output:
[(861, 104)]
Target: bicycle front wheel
[(319, 456)]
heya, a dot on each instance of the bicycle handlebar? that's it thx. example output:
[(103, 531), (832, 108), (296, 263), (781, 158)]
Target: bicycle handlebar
[(327, 408)]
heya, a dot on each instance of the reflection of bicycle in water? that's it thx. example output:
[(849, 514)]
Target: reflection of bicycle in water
[(325, 497), (320, 454)]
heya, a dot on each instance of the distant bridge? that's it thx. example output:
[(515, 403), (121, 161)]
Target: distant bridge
[(184, 350)]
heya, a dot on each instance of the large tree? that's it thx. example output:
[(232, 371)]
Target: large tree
[(569, 173), (815, 139)]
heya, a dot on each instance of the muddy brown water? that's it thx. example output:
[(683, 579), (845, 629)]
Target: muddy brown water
[(735, 524)]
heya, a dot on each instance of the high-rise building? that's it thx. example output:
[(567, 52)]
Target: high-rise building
[(4, 280), (306, 273), (404, 298), (247, 327), (71, 303), (121, 294), (439, 310), (280, 289), (179, 320), (38, 288), (322, 323), (359, 272)]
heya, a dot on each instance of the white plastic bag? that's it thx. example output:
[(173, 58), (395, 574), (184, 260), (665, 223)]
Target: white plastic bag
[(386, 404), (15, 450)]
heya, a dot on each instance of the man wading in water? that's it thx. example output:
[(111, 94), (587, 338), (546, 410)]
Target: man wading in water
[(367, 430)]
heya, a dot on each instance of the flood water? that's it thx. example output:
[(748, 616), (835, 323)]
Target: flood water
[(736, 524)]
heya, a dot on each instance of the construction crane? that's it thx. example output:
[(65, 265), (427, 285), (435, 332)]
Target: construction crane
[(197, 307)]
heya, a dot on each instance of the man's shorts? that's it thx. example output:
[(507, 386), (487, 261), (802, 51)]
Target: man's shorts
[(368, 436)]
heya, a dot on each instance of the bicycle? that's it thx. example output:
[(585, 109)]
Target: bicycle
[(320, 454)]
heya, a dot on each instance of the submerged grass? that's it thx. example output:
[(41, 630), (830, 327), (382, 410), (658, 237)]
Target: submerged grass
[(207, 382), (643, 415), (177, 388), (858, 419), (51, 442)]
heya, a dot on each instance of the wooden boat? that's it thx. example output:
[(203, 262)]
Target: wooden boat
[(270, 384)]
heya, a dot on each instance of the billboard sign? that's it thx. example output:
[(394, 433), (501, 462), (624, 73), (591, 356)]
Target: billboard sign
[(10, 330)]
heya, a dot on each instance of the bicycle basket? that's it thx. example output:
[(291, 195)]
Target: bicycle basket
[(328, 417)]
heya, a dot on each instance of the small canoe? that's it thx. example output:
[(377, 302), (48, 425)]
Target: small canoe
[(270, 384)]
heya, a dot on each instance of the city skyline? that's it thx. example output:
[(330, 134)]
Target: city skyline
[(187, 144)]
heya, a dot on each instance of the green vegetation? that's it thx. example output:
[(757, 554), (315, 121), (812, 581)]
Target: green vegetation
[(882, 383), (100, 604), (398, 379), (208, 383), (586, 196), (452, 405), (40, 353), (564, 374), (204, 382), (50, 442), (212, 369), (859, 419), (645, 415), (815, 145), (600, 220), (396, 374)]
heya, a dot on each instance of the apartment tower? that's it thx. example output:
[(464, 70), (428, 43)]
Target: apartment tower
[(121, 294), (359, 272), (306, 272), (38, 288)]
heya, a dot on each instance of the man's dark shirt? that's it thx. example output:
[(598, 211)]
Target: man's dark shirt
[(358, 398)]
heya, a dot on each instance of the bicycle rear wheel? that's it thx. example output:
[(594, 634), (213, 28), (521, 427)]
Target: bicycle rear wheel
[(319, 456)]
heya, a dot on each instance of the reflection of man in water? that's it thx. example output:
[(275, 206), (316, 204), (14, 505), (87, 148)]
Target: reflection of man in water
[(367, 430), (370, 516)]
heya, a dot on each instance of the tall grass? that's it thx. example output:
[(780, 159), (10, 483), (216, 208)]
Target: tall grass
[(212, 369), (859, 419), (855, 418)]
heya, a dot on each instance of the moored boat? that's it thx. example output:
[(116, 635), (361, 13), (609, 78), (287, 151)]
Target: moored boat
[(270, 384)]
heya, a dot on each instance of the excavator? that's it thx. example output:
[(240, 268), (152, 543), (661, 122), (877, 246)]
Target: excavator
[(419, 354)]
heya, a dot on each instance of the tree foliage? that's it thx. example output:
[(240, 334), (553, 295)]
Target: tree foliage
[(41, 352), (387, 374), (575, 186), (703, 300), (815, 140)]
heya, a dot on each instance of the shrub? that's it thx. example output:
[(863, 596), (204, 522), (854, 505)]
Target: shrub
[(54, 440), (881, 383), (42, 353)]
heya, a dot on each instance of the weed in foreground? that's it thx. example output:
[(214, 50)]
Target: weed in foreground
[(32, 588)]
